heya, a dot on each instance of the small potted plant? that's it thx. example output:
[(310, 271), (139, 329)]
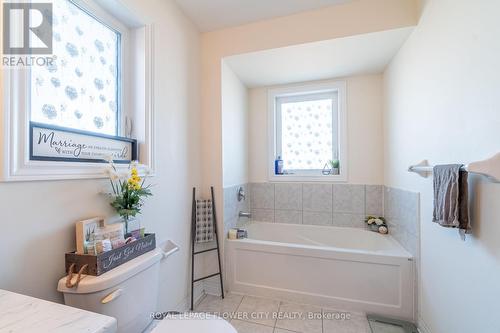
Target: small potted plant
[(335, 166), (129, 191), (377, 224)]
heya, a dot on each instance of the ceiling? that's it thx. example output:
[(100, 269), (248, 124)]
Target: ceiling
[(341, 57), (211, 15)]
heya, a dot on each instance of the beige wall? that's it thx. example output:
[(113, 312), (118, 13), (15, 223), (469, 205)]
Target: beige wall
[(38, 217), (234, 128), (441, 96), (364, 122)]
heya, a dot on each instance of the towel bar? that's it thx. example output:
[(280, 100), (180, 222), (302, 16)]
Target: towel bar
[(489, 168)]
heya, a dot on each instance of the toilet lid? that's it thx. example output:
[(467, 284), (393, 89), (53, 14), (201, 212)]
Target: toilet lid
[(193, 323)]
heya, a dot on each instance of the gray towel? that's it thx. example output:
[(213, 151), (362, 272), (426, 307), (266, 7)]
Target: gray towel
[(451, 204), (204, 221)]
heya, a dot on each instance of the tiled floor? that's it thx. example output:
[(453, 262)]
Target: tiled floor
[(249, 314)]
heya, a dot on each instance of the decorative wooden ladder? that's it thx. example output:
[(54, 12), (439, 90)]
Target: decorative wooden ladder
[(193, 242)]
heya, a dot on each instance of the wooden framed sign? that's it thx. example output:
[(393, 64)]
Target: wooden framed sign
[(53, 143)]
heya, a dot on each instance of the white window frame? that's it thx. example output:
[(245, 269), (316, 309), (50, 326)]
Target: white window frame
[(15, 113), (274, 135)]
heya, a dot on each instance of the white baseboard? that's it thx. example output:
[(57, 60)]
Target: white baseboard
[(207, 287), (422, 326)]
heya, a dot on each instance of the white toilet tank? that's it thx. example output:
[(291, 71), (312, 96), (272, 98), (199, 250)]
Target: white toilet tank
[(129, 292)]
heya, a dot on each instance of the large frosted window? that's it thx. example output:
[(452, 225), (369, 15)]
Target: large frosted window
[(81, 89), (307, 130)]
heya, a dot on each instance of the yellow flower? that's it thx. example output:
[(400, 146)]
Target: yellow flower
[(134, 181)]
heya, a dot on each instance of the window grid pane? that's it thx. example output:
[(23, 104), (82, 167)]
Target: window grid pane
[(80, 90), (307, 133)]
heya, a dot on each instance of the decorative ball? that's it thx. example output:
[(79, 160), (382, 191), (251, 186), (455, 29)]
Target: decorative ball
[(383, 229)]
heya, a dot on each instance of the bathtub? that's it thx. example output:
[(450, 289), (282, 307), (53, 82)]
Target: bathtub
[(332, 267)]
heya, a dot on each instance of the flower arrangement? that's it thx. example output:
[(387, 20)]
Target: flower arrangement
[(129, 191), (377, 224)]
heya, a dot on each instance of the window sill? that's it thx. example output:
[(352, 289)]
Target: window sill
[(304, 178), (42, 171)]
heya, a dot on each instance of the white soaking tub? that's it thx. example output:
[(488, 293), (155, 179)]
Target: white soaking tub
[(340, 268)]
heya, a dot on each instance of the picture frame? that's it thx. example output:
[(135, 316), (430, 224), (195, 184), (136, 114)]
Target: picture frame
[(85, 232), (55, 143)]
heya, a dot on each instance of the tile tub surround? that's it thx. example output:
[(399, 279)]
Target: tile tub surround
[(401, 210), (249, 314), (322, 204), (342, 205)]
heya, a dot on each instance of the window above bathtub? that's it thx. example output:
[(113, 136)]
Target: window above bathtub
[(307, 131)]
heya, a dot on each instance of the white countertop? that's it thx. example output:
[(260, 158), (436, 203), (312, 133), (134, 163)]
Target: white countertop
[(21, 313)]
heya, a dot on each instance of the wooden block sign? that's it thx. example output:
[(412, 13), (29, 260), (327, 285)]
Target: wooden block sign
[(106, 261)]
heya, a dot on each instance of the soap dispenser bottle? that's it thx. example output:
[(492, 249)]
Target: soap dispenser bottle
[(278, 166)]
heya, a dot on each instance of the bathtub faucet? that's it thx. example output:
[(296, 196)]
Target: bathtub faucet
[(245, 214)]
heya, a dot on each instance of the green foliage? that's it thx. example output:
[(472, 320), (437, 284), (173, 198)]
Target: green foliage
[(128, 200), (334, 164)]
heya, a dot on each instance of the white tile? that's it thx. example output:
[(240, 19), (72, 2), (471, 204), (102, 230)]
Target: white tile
[(288, 216), (349, 220), (374, 200), (410, 243), (395, 229), (344, 322), (317, 197), (259, 310), (262, 195), (299, 318), (288, 196), (217, 305), (349, 198), (394, 202), (280, 330), (317, 218), (247, 327), (262, 215)]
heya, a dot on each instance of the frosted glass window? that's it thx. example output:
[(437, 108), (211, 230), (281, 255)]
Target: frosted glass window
[(307, 130), (81, 89)]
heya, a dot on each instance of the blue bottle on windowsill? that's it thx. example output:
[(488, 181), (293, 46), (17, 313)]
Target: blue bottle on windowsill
[(278, 166)]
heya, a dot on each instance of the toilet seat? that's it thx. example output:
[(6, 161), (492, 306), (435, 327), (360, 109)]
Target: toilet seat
[(193, 323)]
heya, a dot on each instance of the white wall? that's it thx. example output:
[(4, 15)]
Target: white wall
[(365, 133), (442, 104), (38, 217), (234, 128)]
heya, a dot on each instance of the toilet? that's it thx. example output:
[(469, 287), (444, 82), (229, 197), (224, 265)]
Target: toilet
[(130, 294)]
